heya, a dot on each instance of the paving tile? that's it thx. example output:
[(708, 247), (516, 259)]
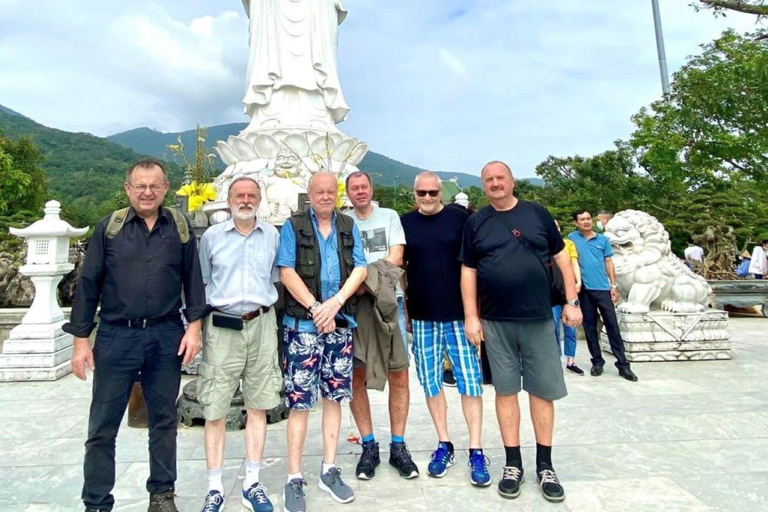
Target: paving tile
[(637, 495), (728, 492)]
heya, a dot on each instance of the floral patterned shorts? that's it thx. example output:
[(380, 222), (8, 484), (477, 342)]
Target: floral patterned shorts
[(317, 363)]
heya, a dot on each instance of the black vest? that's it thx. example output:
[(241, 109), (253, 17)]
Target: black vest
[(308, 261)]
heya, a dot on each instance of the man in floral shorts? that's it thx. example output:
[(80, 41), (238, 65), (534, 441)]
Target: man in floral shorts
[(321, 264)]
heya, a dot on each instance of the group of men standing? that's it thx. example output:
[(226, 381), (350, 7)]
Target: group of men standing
[(466, 280)]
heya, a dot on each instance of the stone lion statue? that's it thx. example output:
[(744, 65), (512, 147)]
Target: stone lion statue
[(649, 275)]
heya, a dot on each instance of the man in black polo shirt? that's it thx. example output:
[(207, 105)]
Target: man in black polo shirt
[(506, 250), (138, 273)]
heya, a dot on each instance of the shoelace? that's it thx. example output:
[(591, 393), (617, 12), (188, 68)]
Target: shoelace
[(213, 501), (478, 463), (404, 455), (296, 488), (368, 455), (441, 454), (511, 473), (335, 475), (259, 492), (548, 476)]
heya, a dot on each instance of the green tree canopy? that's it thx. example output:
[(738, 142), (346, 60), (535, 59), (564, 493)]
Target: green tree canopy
[(22, 180)]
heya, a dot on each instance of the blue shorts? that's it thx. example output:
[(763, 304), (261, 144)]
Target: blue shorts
[(431, 341), (316, 363)]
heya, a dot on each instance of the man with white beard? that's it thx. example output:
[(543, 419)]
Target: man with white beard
[(237, 259)]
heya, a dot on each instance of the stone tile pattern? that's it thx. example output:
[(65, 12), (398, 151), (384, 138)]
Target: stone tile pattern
[(690, 436)]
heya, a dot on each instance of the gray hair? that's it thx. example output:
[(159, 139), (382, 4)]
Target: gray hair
[(428, 174), (243, 178), (321, 173)]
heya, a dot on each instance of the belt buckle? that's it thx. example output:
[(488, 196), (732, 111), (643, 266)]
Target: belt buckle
[(143, 322)]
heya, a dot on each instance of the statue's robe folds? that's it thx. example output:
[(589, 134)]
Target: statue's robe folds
[(292, 73)]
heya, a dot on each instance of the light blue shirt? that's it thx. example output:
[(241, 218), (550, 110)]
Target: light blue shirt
[(239, 270), (592, 255), (330, 272)]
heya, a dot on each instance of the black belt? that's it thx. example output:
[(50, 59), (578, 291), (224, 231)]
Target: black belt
[(143, 323)]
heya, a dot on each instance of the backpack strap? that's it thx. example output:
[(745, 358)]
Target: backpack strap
[(116, 222), (181, 224)]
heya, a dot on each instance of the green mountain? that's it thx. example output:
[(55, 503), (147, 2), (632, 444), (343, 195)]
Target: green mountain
[(384, 170), (85, 173)]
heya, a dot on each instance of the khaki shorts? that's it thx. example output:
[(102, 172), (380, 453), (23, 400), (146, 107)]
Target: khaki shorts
[(229, 355)]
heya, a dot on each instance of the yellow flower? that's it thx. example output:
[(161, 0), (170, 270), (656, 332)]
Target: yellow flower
[(341, 188), (198, 194)]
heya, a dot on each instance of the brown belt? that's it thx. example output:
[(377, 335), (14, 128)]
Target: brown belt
[(250, 315)]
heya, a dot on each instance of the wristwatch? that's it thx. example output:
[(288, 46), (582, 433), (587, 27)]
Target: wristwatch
[(574, 302), (614, 286), (314, 306)]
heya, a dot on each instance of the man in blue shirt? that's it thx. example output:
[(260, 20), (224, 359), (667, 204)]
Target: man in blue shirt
[(322, 264), (599, 292)]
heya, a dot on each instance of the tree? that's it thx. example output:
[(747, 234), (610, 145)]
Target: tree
[(757, 7), (22, 180)]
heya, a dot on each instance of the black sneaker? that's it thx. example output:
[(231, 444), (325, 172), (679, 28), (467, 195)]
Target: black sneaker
[(369, 460), (574, 369), (400, 458), (512, 478), (162, 502), (448, 379), (549, 484)]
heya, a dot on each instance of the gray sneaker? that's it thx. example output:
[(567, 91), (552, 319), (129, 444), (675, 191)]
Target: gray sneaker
[(293, 496), (332, 483)]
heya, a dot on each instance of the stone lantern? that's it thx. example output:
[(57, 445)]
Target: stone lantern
[(38, 349)]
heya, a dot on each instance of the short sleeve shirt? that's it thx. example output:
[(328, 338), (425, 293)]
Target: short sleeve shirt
[(592, 255), (380, 231), (570, 247), (432, 264), (512, 282)]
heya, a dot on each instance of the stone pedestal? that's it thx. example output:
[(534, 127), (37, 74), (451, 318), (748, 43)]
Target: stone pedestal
[(662, 336), (36, 352)]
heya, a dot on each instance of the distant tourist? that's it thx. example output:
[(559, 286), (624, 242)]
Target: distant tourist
[(237, 258), (568, 346), (759, 264), (505, 286), (139, 261), (433, 234), (746, 261), (694, 254), (602, 219), (599, 292)]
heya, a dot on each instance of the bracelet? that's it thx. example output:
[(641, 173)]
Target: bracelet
[(314, 306), (339, 299)]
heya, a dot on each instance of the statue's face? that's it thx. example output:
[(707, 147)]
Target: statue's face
[(286, 164), (624, 237)]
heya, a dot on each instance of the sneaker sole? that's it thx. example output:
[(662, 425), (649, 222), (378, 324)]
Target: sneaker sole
[(363, 476), (285, 509), (327, 489), (247, 504), (553, 499), (407, 476), (511, 496), (479, 484)]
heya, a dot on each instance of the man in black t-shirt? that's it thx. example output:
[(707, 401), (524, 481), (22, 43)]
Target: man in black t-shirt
[(506, 251), (433, 300)]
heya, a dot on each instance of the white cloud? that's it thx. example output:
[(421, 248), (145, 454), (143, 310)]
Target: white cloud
[(444, 85)]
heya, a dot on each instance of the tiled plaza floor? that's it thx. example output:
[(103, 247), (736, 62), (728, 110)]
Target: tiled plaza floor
[(687, 437)]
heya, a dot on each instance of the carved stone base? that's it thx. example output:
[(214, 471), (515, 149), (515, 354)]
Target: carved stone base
[(35, 374), (190, 410), (662, 336)]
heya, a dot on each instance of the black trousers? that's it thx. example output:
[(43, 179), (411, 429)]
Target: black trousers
[(120, 354), (593, 301)]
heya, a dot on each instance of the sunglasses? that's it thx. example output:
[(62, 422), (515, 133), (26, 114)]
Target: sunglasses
[(432, 193)]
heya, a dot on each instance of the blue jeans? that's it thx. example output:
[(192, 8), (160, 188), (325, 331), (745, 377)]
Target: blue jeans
[(121, 354), (569, 333)]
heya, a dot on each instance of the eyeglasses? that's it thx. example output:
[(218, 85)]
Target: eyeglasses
[(155, 189), (432, 193)]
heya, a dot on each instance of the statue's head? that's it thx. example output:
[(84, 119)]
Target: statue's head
[(634, 237), (287, 164)]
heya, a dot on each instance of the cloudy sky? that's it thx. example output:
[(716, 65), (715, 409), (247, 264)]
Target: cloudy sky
[(442, 84)]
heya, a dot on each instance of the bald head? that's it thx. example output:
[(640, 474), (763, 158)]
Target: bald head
[(496, 164), (428, 176)]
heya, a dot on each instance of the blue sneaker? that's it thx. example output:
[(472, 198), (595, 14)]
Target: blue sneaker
[(478, 469), (214, 502), (440, 461), (255, 498)]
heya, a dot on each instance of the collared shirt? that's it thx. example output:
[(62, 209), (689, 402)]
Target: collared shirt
[(239, 270), (138, 274), (330, 272), (592, 255)]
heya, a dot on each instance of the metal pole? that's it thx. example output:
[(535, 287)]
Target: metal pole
[(660, 48)]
